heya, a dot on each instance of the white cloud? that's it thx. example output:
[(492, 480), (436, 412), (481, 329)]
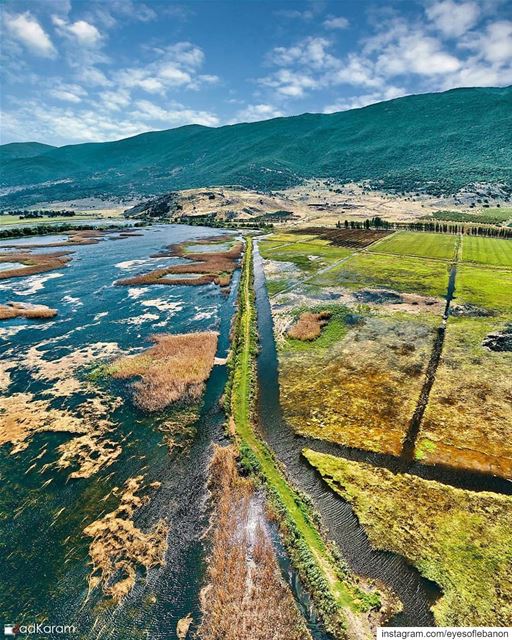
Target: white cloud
[(84, 32), (27, 30), (176, 116), (177, 66), (69, 93), (495, 44), (416, 53), (453, 19), (336, 23), (255, 112)]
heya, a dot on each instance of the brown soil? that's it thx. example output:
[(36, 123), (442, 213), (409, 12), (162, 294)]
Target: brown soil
[(119, 548), (351, 238), (176, 368), (25, 310), (246, 598)]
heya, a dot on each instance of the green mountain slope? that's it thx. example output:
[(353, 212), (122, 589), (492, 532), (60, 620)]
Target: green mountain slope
[(22, 150), (438, 142)]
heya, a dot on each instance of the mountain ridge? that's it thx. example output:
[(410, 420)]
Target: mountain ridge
[(438, 142)]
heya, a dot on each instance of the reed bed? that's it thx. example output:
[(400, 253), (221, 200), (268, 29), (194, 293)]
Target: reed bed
[(174, 369), (215, 267), (246, 597), (119, 548), (26, 310), (33, 263), (309, 325)]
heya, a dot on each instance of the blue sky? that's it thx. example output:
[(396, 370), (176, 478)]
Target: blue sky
[(89, 70)]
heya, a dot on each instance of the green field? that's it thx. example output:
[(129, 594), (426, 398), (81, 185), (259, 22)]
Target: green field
[(307, 256), (493, 251), (460, 539), (424, 245), (407, 274), (484, 287)]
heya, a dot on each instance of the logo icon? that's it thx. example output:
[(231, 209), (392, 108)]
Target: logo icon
[(11, 629)]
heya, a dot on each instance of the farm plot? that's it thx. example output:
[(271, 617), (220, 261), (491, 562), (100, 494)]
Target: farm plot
[(351, 238), (493, 251), (357, 385), (467, 421), (425, 245), (485, 288), (460, 539), (404, 274)]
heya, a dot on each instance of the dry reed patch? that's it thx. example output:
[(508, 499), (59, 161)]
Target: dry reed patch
[(119, 548), (21, 416), (309, 325), (467, 422), (208, 267), (26, 310), (363, 391), (5, 376), (34, 263), (246, 597), (174, 369)]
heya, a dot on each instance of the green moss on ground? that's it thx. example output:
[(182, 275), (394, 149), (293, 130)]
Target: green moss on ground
[(460, 539)]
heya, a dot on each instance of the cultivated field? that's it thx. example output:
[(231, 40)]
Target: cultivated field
[(487, 251), (424, 245)]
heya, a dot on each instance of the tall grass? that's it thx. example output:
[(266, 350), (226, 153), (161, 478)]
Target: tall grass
[(210, 267), (24, 310), (174, 369), (246, 598), (309, 325)]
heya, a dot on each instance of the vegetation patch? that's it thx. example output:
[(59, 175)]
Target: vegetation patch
[(493, 251), (119, 548), (309, 325), (488, 289), (485, 216), (26, 310), (424, 245), (401, 273), (33, 263), (459, 539), (306, 256), (174, 369), (246, 597), (467, 420), (361, 391), (202, 267)]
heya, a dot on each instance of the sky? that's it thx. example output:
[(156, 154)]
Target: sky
[(77, 71)]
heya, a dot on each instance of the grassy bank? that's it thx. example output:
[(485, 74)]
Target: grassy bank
[(460, 539), (340, 601)]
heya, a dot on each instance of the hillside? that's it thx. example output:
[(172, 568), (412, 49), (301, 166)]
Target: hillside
[(23, 150), (436, 142)]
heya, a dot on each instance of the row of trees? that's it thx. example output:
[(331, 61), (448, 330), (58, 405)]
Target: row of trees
[(432, 227)]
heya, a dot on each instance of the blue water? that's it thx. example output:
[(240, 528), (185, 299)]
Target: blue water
[(44, 567)]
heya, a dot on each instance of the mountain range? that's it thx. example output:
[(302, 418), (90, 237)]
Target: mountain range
[(437, 142)]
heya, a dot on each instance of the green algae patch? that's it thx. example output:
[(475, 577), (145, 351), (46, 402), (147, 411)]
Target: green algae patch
[(357, 386), (460, 539), (344, 603), (467, 420)]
